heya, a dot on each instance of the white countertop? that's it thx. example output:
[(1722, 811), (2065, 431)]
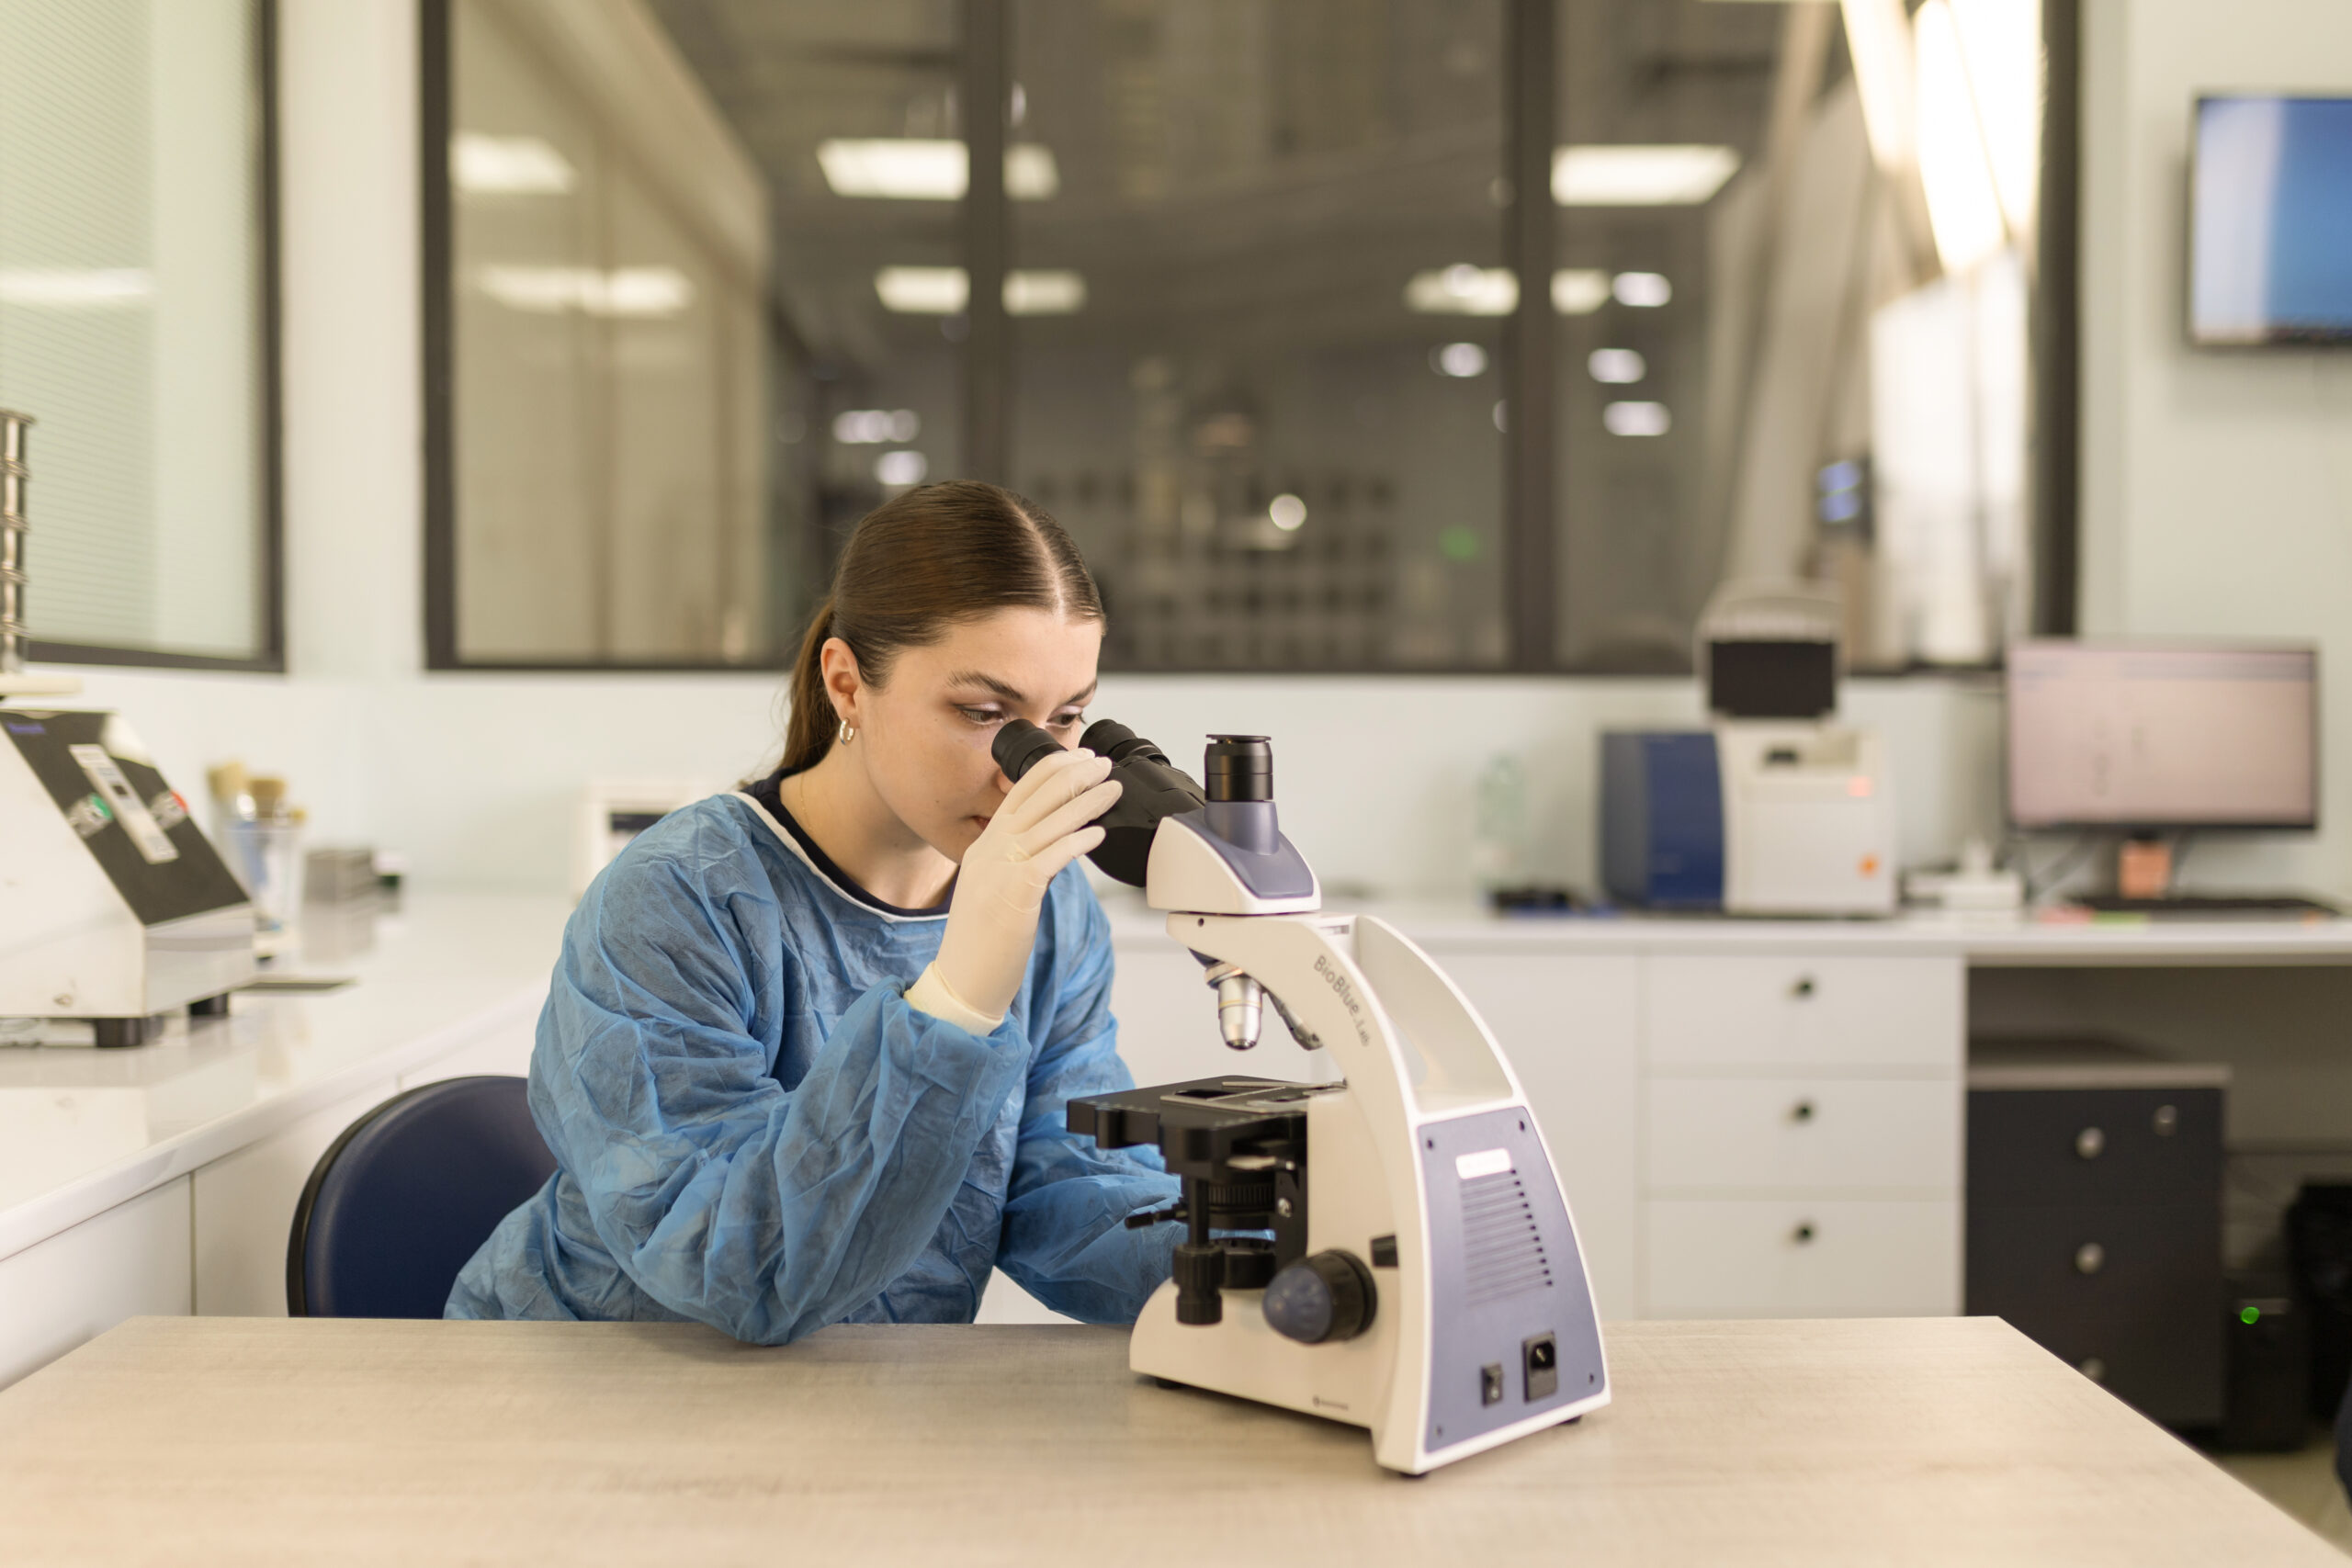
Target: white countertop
[(1463, 925), (81, 1130)]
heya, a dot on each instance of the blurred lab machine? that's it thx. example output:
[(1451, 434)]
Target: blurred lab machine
[(115, 909), (1777, 807)]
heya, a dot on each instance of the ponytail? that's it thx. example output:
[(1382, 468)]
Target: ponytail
[(808, 731), (918, 564)]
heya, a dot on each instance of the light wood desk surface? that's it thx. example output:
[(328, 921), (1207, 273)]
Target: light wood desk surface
[(188, 1441)]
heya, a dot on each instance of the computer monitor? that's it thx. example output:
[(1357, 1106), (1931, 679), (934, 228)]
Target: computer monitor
[(2163, 736)]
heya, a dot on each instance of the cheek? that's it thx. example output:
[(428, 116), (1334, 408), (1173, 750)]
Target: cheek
[(942, 770)]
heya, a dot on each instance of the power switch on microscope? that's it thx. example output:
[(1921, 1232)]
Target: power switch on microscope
[(1542, 1357), (1490, 1383)]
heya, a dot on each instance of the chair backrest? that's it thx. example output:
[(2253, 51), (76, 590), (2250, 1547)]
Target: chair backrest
[(407, 1195)]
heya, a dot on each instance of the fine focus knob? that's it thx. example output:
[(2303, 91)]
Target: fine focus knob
[(2090, 1142), (1321, 1300)]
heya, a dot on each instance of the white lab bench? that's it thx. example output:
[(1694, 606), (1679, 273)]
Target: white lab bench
[(1751, 1118)]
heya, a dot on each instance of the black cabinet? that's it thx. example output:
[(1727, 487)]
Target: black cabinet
[(2095, 1218)]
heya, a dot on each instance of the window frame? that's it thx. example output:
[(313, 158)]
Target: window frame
[(271, 658), (1530, 526)]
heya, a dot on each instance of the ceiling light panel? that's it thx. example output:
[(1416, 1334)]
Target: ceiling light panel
[(944, 291), (1630, 175), (908, 169), (481, 165)]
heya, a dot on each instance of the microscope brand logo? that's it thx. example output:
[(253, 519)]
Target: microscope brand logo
[(1346, 992)]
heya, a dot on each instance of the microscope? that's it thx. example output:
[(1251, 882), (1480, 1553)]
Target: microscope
[(1392, 1250)]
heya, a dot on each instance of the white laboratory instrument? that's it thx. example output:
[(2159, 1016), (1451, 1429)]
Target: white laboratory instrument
[(1423, 1278), (113, 906), (1778, 807)]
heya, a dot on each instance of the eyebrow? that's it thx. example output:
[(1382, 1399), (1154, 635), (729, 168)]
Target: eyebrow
[(1011, 693)]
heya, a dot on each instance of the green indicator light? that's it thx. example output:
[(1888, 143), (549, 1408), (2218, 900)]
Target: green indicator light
[(100, 802), (1458, 544), (2249, 1314)]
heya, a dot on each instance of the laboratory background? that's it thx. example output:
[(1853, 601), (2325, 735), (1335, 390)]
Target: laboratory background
[(1789, 561)]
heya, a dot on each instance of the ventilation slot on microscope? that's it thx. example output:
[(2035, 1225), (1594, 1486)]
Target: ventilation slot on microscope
[(1502, 1250)]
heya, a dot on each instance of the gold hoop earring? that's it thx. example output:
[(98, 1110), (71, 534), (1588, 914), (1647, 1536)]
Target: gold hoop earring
[(847, 732)]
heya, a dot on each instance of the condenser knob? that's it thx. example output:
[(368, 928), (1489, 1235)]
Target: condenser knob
[(1322, 1299)]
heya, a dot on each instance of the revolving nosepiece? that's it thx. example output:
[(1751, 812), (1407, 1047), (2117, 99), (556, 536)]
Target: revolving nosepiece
[(1241, 1006)]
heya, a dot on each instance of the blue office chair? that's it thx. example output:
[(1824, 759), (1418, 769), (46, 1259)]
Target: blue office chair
[(407, 1195)]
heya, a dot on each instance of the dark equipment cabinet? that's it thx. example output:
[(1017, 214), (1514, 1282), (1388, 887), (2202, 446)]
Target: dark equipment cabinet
[(2095, 1216)]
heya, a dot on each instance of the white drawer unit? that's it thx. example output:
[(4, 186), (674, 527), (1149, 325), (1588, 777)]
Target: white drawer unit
[(1800, 1258), (1775, 1014), (1832, 1133)]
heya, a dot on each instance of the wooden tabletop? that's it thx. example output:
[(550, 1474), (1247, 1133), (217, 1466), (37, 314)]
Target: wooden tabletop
[(190, 1440)]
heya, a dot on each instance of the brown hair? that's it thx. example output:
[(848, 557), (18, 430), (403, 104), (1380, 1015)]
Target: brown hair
[(918, 564)]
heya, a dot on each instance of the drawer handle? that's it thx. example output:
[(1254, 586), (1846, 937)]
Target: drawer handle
[(1803, 987), (2089, 1258), (2166, 1121), (1803, 1235), (1800, 1112), (2090, 1142)]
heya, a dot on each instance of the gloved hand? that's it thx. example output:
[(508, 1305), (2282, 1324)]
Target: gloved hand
[(1044, 822)]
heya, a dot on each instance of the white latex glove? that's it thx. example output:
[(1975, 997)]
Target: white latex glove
[(1046, 822)]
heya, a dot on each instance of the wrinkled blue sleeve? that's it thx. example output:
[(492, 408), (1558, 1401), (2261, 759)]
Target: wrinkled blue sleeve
[(1066, 1240), (764, 1212)]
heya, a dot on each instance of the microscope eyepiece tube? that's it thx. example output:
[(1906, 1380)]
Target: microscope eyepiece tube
[(1021, 746), (1149, 788), (1239, 767)]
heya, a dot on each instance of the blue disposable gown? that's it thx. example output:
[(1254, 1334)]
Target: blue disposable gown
[(754, 1130)]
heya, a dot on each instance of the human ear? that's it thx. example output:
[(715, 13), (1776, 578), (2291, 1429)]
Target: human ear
[(843, 683)]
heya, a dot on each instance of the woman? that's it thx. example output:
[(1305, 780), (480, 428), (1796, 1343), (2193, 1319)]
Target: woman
[(808, 1045)]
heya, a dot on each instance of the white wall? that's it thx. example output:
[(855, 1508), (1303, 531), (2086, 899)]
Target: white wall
[(2217, 487), (2216, 501)]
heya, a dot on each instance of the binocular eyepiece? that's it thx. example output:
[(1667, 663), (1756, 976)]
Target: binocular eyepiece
[(1240, 768)]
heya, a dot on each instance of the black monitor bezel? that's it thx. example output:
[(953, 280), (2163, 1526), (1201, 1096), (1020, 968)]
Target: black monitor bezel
[(2156, 645)]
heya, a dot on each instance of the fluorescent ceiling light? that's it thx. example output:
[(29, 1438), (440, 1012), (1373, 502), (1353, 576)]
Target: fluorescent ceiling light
[(923, 290), (907, 168), (1460, 360), (77, 288), (875, 427), (1877, 40), (1053, 292), (1636, 419), (1661, 176), (1617, 367), (1963, 208), (1463, 289), (1642, 290), (2000, 41), (944, 291), (899, 470), (629, 291), (1579, 290), (508, 165)]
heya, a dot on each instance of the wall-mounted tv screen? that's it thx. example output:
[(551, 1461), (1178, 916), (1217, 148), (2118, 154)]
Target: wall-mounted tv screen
[(2270, 216)]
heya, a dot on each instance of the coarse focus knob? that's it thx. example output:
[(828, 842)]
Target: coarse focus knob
[(1322, 1299)]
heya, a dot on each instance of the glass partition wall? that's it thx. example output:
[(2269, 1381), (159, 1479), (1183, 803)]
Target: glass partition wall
[(138, 330), (1343, 334)]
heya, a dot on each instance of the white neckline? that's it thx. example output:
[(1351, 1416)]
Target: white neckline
[(801, 852)]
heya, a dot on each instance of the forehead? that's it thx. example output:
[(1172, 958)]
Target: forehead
[(1045, 655)]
